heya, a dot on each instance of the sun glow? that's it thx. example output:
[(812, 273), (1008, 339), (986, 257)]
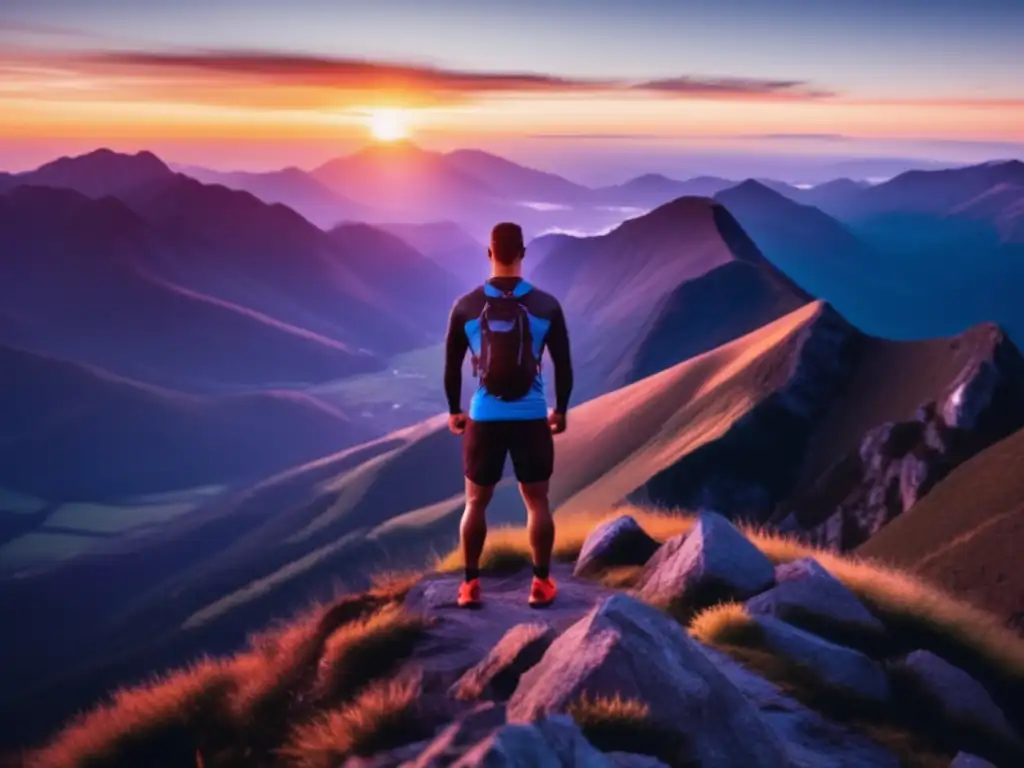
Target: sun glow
[(388, 125)]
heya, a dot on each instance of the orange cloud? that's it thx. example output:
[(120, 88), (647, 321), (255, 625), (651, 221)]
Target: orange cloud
[(314, 80)]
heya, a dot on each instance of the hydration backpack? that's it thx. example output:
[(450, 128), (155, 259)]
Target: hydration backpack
[(506, 366)]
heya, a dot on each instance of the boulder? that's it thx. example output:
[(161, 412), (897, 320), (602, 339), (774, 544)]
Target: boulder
[(712, 563), (834, 666), (960, 697), (629, 649), (811, 740), (552, 742), (967, 760), (808, 596), (617, 542), (496, 676)]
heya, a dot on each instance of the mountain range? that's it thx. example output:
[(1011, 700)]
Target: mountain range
[(787, 357)]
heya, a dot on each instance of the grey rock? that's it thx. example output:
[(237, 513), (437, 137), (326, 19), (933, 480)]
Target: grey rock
[(832, 665), (496, 676), (711, 563), (628, 649), (967, 760), (810, 740), (617, 542), (553, 742), (454, 740), (960, 696), (808, 596)]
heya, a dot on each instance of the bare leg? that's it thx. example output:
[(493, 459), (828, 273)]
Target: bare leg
[(473, 530), (540, 524)]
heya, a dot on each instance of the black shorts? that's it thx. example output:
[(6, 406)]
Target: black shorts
[(486, 444)]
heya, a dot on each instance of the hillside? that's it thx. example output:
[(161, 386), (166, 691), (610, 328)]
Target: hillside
[(404, 180), (706, 645), (77, 433), (515, 181), (825, 258), (82, 280), (966, 534), (449, 246), (289, 186), (96, 174), (660, 289), (653, 190)]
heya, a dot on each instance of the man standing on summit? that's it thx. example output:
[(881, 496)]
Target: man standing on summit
[(506, 324)]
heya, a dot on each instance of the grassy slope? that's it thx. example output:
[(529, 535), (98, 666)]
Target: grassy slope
[(966, 534)]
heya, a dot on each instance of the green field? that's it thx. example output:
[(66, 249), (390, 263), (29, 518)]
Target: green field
[(79, 527), (12, 501)]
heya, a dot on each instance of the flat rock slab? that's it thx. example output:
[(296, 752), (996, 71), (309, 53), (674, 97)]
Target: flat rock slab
[(498, 674), (461, 638)]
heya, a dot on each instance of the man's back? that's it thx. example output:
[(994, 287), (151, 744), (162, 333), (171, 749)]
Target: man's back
[(548, 333)]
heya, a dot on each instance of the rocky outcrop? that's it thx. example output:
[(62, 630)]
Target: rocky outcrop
[(625, 648), (834, 666), (496, 676), (959, 696), (712, 563), (617, 542), (898, 463), (754, 465), (808, 596)]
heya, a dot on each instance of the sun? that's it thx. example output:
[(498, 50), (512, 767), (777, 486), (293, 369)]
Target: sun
[(388, 125)]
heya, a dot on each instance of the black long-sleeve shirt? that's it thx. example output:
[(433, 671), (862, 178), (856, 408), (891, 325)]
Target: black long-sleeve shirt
[(542, 306)]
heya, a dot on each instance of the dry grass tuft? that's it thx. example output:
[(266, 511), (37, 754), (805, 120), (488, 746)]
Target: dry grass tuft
[(238, 711), (162, 722), (385, 715), (723, 624), (366, 650), (625, 725)]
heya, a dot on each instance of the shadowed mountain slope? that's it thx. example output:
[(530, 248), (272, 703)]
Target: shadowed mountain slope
[(82, 280), (77, 433), (289, 186), (447, 245), (648, 294)]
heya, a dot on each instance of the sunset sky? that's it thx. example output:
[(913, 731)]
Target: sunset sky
[(257, 83)]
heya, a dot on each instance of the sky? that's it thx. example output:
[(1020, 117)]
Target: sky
[(261, 83)]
